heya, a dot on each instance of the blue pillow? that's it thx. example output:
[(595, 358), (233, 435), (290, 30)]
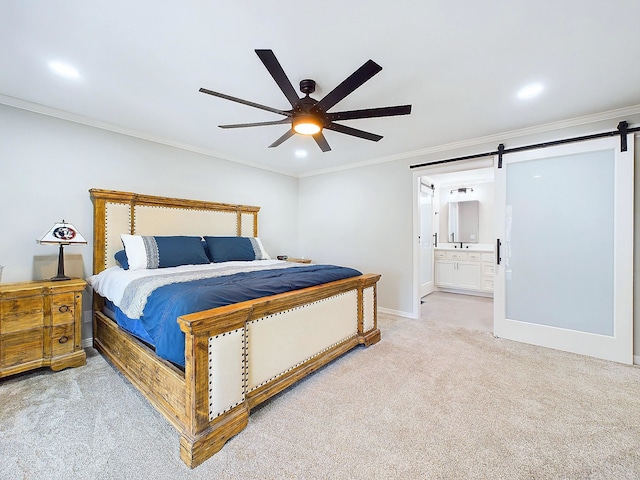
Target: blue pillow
[(227, 249), (162, 252), (121, 258)]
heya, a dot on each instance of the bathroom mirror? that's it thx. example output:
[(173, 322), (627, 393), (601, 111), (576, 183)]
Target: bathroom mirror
[(463, 221)]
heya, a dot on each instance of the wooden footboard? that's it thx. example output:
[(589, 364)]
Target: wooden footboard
[(238, 356), (276, 341)]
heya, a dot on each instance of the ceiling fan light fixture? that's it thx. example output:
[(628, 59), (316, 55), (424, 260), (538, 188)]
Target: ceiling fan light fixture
[(307, 124), (309, 116)]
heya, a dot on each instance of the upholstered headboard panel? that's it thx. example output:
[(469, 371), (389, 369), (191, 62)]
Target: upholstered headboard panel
[(115, 213)]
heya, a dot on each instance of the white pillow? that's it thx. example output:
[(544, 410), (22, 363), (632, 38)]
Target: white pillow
[(263, 253), (136, 251)]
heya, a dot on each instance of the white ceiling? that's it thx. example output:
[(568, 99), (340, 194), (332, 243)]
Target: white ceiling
[(459, 63)]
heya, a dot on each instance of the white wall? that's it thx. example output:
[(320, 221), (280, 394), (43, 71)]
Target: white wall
[(48, 165), (362, 218)]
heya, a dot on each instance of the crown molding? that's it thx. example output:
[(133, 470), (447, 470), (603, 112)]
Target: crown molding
[(72, 117), (495, 138)]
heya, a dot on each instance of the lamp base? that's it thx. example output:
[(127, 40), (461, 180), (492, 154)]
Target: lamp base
[(60, 276)]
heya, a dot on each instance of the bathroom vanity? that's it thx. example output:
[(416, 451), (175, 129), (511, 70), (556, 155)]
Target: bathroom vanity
[(468, 270)]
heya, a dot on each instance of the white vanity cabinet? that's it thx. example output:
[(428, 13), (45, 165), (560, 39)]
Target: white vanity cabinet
[(488, 271), (469, 271)]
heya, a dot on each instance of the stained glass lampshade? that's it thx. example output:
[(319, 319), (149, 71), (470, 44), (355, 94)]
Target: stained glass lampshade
[(61, 234)]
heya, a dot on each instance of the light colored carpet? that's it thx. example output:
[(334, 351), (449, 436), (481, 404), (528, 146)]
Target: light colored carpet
[(430, 401)]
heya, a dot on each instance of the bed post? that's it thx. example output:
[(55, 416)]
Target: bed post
[(215, 392), (368, 331)]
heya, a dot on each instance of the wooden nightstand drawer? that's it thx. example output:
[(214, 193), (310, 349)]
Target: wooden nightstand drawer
[(21, 347), (62, 340), (21, 314), (62, 308)]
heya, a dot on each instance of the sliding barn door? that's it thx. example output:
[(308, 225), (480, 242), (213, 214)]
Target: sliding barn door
[(565, 229)]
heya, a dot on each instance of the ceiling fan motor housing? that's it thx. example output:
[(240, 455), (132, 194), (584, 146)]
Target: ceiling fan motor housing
[(307, 86)]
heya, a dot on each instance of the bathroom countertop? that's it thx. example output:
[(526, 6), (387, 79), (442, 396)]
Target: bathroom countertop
[(475, 247)]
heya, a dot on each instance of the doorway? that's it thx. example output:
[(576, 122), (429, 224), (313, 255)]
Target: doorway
[(464, 304)]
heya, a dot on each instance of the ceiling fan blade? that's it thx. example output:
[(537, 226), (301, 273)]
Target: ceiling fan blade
[(284, 137), (245, 102), (322, 142), (256, 124), (275, 69), (353, 81), (370, 113), (353, 131)]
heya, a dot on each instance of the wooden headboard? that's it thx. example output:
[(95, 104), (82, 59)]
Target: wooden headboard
[(115, 213)]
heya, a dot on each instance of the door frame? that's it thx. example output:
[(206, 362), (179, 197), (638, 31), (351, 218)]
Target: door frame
[(460, 166), (430, 286)]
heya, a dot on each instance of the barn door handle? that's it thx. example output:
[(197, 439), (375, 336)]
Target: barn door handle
[(498, 244)]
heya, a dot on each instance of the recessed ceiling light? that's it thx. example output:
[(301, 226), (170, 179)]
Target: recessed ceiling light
[(64, 69), (530, 91), (301, 153)]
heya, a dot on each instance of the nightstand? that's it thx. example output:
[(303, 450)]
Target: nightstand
[(40, 325), (298, 260)]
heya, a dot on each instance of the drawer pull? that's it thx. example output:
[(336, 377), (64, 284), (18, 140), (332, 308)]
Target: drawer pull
[(63, 339), (63, 308)]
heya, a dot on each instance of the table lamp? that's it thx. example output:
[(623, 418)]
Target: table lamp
[(62, 233)]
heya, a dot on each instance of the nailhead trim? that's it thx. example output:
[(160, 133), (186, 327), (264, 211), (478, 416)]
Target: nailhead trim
[(106, 226), (213, 414)]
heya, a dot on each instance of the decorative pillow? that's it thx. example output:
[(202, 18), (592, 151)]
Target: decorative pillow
[(226, 249), (258, 247), (160, 252), (121, 258)]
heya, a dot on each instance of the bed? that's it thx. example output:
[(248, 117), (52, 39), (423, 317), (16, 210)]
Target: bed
[(238, 355)]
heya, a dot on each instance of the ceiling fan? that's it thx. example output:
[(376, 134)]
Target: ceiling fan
[(309, 116)]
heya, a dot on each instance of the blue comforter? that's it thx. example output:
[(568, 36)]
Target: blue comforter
[(158, 324)]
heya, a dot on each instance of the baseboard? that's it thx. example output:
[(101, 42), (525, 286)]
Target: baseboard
[(636, 359), (397, 312), (87, 342)]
